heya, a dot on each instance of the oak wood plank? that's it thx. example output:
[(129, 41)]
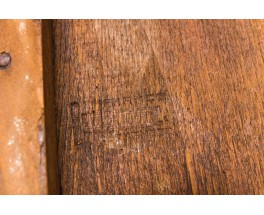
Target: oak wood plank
[(160, 106)]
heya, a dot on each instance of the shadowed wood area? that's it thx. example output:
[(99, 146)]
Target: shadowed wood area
[(160, 106)]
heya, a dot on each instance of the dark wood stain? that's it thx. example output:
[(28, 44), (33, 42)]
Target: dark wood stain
[(50, 110), (160, 106)]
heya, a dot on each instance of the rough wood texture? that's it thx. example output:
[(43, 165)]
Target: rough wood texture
[(22, 128), (160, 106)]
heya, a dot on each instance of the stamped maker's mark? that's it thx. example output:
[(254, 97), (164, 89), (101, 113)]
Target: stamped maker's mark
[(117, 117)]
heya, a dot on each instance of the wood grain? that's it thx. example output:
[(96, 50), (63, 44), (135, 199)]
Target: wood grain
[(160, 106)]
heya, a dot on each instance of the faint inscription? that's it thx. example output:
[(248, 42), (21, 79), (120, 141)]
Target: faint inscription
[(112, 119)]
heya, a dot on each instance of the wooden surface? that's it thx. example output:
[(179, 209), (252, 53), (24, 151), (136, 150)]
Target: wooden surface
[(50, 114), (23, 145), (160, 106)]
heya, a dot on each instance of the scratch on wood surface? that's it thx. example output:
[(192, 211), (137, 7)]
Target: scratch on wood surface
[(191, 172)]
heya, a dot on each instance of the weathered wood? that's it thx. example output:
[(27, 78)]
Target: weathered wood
[(160, 106), (22, 129)]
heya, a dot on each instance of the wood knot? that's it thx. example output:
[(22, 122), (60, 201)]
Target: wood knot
[(5, 60)]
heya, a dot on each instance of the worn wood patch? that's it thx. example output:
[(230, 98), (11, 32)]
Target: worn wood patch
[(160, 106), (26, 134)]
